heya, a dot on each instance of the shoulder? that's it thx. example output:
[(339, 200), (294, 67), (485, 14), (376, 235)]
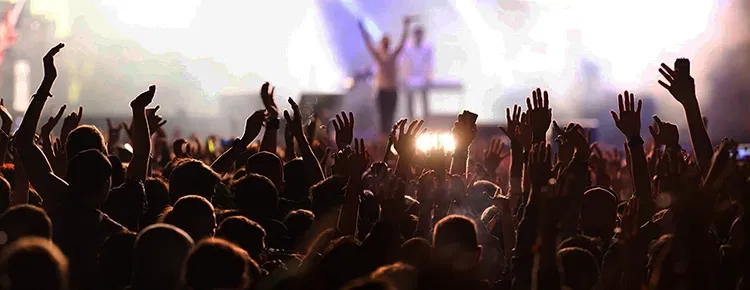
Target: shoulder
[(110, 226)]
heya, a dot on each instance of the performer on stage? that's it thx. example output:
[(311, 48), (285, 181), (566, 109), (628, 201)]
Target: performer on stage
[(417, 64), (386, 81)]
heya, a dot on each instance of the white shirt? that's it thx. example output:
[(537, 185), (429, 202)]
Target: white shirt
[(417, 65)]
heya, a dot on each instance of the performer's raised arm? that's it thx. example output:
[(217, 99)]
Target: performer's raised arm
[(368, 41), (404, 34)]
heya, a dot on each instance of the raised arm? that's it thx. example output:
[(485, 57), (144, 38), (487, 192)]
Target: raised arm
[(46, 130), (404, 36), (629, 123), (141, 136), (252, 128), (682, 87), (34, 162), (514, 125), (315, 173), (359, 159), (269, 141), (368, 42)]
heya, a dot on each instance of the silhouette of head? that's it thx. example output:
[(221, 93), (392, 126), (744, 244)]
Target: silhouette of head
[(268, 165), (24, 221), (385, 43), (599, 212), (400, 275), (298, 222), (415, 252), (455, 243), (192, 177), (157, 195), (341, 262), (33, 263), (194, 215), (89, 177), (247, 234), (83, 138), (580, 268), (297, 190), (158, 255), (217, 264), (255, 194)]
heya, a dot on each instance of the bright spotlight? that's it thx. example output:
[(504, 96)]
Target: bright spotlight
[(429, 141)]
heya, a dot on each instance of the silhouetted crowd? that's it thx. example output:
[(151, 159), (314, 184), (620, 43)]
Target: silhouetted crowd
[(81, 212)]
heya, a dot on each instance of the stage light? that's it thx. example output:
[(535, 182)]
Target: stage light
[(429, 141)]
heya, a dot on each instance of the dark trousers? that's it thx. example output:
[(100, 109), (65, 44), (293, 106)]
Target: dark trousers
[(387, 100)]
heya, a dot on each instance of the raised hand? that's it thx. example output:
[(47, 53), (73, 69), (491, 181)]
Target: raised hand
[(664, 133), (50, 71), (464, 133), (576, 136), (680, 85), (294, 120), (359, 158), (406, 142), (253, 124), (344, 127), (494, 155), (113, 131), (513, 122), (71, 122), (629, 120), (437, 160), (540, 115), (540, 166), (181, 148), (269, 103), (565, 149), (52, 122), (144, 99), (155, 122)]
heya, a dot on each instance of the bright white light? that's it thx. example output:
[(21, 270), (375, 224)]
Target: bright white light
[(153, 14), (21, 92), (429, 141)]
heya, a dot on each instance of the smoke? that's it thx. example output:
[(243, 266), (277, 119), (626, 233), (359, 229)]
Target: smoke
[(729, 76)]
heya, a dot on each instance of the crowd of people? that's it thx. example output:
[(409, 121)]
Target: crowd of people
[(78, 214)]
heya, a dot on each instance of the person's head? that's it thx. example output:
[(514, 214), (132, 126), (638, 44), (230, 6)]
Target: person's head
[(24, 221), (268, 165), (83, 138), (455, 243), (217, 264), (33, 263), (402, 276), (157, 195), (599, 212), (116, 260), (255, 194), (298, 222), (158, 255), (194, 215), (192, 177), (480, 193), (247, 234), (341, 262), (580, 268), (385, 43), (583, 242), (4, 194), (415, 252), (89, 176), (418, 35), (295, 171), (662, 273)]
